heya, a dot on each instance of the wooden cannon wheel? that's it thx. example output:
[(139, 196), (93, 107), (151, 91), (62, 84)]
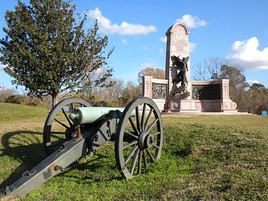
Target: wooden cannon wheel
[(139, 137), (58, 127)]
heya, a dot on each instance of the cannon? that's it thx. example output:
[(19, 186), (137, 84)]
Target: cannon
[(73, 129)]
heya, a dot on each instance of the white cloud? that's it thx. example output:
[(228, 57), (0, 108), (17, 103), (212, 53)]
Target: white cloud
[(251, 82), (192, 21), (124, 28), (247, 55)]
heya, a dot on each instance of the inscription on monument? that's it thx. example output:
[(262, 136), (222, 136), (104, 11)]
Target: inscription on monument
[(159, 91), (206, 92)]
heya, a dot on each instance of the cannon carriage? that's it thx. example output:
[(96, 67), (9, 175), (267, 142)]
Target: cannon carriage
[(74, 128)]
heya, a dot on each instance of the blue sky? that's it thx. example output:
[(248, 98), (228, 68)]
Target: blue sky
[(233, 30)]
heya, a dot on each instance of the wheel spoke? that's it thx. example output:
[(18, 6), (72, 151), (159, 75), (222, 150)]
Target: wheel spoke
[(59, 117), (64, 125), (140, 137), (155, 134), (131, 134), (143, 115), (135, 161), (72, 107), (148, 119), (130, 144), (133, 126), (69, 121), (139, 163), (151, 156), (102, 134), (56, 132), (56, 137), (144, 159), (152, 125), (131, 154), (155, 146), (138, 119)]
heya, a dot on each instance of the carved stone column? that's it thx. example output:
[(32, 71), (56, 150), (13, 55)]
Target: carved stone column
[(178, 45)]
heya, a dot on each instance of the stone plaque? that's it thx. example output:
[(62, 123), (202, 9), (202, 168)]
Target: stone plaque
[(206, 92), (159, 91)]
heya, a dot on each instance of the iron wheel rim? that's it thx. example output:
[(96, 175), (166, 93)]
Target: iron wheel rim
[(145, 137)]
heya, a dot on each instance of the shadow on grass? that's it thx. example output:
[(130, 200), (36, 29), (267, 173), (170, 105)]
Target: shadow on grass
[(27, 148), (24, 146), (100, 168)]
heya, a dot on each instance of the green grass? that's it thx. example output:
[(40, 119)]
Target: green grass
[(15, 112), (203, 158)]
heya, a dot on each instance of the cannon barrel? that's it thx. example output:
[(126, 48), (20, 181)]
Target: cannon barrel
[(86, 115)]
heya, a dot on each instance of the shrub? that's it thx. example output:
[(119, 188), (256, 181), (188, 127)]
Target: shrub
[(24, 100)]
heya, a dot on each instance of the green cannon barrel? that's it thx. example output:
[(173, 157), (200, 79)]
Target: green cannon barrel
[(85, 115)]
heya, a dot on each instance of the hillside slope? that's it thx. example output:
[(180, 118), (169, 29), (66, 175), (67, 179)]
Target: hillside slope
[(203, 158)]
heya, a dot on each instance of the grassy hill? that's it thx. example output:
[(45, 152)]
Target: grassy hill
[(15, 112), (203, 158)]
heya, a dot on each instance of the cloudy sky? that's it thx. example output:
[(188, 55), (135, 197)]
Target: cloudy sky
[(236, 31)]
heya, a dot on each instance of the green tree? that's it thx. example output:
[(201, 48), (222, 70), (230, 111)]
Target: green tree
[(257, 98), (237, 84), (48, 51)]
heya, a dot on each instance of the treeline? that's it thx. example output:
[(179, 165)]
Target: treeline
[(117, 95), (249, 98), (12, 96), (113, 92)]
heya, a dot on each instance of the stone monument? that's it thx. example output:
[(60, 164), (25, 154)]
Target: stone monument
[(178, 46), (178, 93)]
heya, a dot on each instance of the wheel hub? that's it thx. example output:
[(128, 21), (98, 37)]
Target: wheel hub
[(70, 132), (149, 141), (145, 141)]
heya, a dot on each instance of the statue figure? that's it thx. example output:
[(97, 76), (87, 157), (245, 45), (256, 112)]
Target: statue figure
[(181, 65)]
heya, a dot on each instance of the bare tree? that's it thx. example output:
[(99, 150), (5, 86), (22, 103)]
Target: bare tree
[(150, 71), (130, 92), (208, 69)]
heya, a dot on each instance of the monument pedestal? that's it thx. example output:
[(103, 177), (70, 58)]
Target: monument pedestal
[(191, 105), (228, 106), (182, 105), (206, 96)]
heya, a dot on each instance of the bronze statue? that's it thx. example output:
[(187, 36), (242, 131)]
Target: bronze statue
[(181, 65)]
